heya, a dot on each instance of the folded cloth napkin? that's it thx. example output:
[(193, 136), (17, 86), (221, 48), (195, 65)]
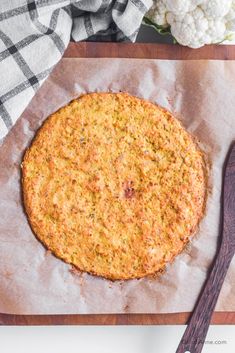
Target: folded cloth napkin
[(35, 34)]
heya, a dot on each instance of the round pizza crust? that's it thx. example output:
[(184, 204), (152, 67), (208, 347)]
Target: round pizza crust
[(114, 185)]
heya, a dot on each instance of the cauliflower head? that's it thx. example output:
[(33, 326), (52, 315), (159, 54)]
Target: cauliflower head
[(194, 23)]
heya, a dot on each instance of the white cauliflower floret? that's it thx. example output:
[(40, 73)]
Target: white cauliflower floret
[(216, 8), (195, 23), (230, 18), (231, 14), (158, 12), (194, 29), (181, 6)]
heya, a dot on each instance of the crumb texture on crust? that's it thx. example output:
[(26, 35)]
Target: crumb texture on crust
[(114, 185)]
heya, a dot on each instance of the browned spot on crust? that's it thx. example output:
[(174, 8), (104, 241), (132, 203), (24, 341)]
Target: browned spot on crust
[(129, 191)]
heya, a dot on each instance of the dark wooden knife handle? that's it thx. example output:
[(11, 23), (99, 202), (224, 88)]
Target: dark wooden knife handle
[(196, 331)]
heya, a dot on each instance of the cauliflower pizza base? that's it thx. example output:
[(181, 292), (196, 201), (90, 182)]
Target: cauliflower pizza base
[(114, 185)]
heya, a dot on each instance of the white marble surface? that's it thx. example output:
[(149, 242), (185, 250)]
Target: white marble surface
[(107, 339)]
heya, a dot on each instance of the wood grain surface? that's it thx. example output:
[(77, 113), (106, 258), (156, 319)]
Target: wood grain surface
[(144, 51), (149, 51), (218, 318)]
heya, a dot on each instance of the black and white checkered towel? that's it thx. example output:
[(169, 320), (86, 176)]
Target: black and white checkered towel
[(34, 35)]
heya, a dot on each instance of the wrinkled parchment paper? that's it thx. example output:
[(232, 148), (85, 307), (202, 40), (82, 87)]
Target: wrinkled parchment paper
[(32, 281)]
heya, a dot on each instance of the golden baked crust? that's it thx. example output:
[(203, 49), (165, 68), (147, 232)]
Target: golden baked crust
[(114, 185)]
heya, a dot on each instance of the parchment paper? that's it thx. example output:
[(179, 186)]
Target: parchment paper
[(32, 281)]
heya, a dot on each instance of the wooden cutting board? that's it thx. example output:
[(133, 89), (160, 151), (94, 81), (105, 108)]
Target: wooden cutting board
[(129, 50)]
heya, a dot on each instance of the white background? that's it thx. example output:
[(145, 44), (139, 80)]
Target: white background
[(107, 339)]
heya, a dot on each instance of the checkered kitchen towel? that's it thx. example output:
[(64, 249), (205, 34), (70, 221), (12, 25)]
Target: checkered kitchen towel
[(35, 34)]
